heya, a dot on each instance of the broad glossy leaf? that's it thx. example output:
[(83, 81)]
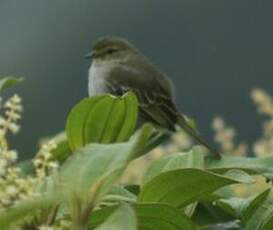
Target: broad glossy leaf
[(262, 218), (96, 165), (9, 81), (162, 217), (124, 218), (128, 121), (253, 204), (209, 214), (102, 119), (192, 159), (261, 165), (234, 206), (150, 216), (184, 186), (99, 163), (240, 176), (242, 208)]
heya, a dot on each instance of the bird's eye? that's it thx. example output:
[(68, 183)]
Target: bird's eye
[(111, 50)]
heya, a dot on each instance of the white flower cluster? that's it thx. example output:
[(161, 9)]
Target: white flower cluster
[(14, 185), (43, 162), (264, 101), (264, 146), (13, 109), (225, 136)]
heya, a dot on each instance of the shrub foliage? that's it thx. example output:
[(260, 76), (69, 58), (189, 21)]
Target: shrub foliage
[(75, 179)]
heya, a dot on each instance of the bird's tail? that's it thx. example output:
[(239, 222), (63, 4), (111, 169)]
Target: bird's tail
[(196, 136)]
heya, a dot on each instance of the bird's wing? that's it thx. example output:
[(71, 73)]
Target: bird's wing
[(155, 101)]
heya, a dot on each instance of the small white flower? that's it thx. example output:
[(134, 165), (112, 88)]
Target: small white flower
[(49, 146), (2, 121), (218, 123), (37, 162), (8, 104), (18, 108), (12, 155), (13, 127), (12, 191), (53, 165), (3, 163), (44, 155), (5, 200), (13, 115), (16, 99)]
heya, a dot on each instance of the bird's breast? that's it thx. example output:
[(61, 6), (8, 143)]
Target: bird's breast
[(97, 79), (100, 74)]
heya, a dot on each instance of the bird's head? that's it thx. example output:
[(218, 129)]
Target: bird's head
[(111, 48)]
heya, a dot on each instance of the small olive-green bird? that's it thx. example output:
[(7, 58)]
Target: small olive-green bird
[(117, 67)]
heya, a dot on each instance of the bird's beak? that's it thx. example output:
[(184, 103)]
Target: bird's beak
[(89, 55)]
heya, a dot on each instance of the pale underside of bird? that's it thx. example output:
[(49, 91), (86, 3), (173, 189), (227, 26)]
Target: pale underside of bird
[(117, 67)]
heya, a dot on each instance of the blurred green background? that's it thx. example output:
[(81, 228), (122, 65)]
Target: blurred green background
[(215, 51)]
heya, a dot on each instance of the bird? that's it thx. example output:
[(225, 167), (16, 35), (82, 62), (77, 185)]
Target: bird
[(117, 67)]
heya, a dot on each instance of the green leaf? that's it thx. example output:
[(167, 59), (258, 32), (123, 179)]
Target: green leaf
[(102, 119), (208, 213), (261, 165), (231, 225), (23, 209), (184, 186), (240, 176), (242, 208), (262, 218), (128, 121), (150, 216), (157, 138), (99, 163), (269, 223), (253, 204), (192, 159), (62, 151), (234, 206), (124, 218), (9, 81), (117, 195), (133, 188)]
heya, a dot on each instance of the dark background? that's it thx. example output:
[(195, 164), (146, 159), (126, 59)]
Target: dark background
[(215, 51)]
